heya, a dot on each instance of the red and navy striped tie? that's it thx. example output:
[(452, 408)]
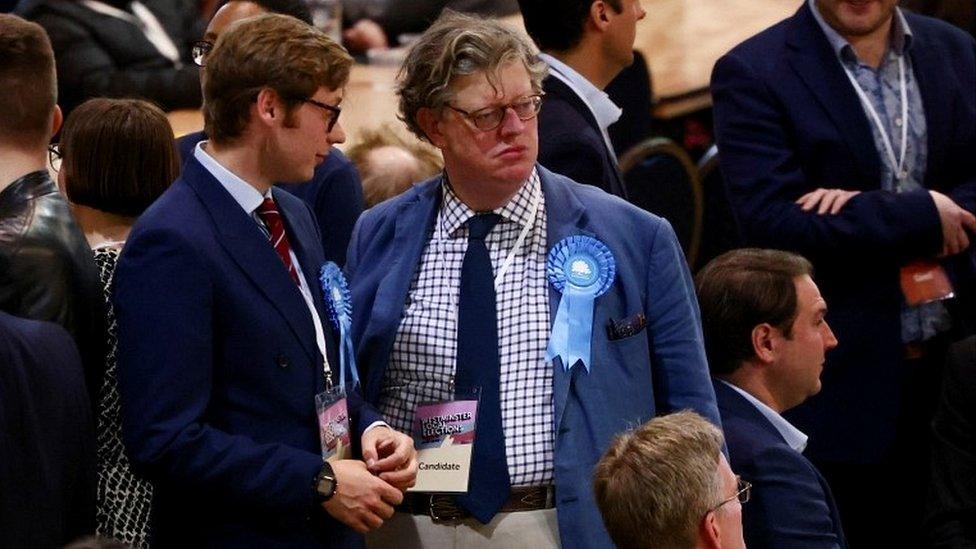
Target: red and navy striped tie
[(268, 212)]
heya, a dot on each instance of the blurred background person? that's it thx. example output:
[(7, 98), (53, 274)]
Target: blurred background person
[(389, 163), (122, 48), (118, 156), (667, 485)]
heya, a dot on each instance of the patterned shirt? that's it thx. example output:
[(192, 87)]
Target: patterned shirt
[(882, 86), (422, 362)]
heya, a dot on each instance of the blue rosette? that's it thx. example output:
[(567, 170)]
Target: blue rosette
[(582, 269), (339, 304)]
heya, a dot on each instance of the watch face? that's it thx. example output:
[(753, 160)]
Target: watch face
[(326, 485)]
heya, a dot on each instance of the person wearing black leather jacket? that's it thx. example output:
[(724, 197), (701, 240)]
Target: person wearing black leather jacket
[(47, 270), (122, 48)]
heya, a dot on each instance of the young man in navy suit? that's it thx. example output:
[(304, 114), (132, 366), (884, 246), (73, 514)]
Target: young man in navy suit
[(224, 344), (335, 192), (585, 43), (766, 338), (846, 134), (452, 291)]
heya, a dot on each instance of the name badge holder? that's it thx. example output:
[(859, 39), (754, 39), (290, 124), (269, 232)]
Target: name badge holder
[(444, 434), (925, 281), (330, 405)]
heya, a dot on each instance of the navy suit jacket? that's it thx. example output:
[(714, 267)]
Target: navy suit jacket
[(218, 370), (656, 371), (47, 437), (570, 141), (787, 122), (791, 505), (334, 193)]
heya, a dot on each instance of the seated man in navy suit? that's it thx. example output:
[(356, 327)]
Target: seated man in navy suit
[(766, 338), (334, 192), (452, 291), (585, 43), (225, 351), (847, 135), (667, 485)]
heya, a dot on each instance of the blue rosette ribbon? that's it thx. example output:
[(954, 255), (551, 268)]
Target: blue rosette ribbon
[(339, 303), (582, 269)]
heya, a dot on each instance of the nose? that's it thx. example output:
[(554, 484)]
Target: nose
[(641, 12), (337, 135), (830, 341), (511, 124)]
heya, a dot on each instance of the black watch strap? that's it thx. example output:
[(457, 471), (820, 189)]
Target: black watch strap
[(325, 484)]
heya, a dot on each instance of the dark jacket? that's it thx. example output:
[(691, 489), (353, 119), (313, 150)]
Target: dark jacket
[(47, 270), (334, 193), (47, 442), (951, 520), (103, 56), (787, 121), (570, 141), (412, 16)]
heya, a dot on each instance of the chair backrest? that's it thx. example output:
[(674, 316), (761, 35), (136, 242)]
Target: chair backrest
[(661, 178), (720, 231)]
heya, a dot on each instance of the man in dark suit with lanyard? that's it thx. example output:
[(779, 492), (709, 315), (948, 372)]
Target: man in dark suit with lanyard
[(846, 134), (224, 349)]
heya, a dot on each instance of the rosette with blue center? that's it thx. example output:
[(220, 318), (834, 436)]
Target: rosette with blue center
[(582, 269), (338, 301)]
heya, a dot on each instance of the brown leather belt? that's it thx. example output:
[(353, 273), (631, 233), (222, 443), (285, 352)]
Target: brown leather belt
[(443, 508)]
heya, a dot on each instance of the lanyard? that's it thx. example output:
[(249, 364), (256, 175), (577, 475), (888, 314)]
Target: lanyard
[(442, 238), (897, 164)]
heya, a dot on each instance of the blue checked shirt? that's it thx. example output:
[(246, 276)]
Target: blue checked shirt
[(883, 88)]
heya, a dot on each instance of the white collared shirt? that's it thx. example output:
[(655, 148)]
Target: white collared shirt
[(248, 198), (604, 110), (794, 437)]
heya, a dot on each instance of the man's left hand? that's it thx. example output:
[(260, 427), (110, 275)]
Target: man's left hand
[(391, 455)]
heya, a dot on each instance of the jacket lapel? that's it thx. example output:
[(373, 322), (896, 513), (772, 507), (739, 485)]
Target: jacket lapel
[(815, 62), (249, 248), (565, 216), (928, 65)]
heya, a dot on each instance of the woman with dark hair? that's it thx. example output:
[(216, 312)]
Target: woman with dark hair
[(118, 156)]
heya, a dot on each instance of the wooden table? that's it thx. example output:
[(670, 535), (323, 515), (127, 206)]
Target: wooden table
[(682, 40)]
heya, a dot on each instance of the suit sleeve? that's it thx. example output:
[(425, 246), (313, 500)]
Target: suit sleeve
[(87, 69), (788, 507), (952, 492), (680, 370), (164, 305), (765, 177)]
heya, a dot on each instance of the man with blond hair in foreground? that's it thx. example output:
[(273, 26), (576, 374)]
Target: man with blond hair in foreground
[(667, 485)]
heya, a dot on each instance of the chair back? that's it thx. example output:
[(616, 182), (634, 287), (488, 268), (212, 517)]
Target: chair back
[(661, 178), (720, 230)]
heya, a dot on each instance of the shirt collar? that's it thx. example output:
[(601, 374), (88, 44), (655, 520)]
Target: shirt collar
[(794, 437), (241, 191), (518, 210), (901, 35), (604, 110)]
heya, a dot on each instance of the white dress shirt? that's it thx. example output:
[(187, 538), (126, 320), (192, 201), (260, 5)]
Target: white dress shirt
[(794, 437)]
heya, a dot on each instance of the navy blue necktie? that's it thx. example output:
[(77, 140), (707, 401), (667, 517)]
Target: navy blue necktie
[(478, 365)]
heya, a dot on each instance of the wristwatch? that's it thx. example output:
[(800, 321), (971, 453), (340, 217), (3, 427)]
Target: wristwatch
[(324, 485)]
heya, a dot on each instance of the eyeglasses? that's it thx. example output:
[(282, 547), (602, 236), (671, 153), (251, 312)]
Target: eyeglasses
[(742, 493), (489, 118), (333, 111), (200, 50), (54, 156)]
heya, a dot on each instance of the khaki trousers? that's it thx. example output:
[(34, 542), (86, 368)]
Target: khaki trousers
[(535, 529)]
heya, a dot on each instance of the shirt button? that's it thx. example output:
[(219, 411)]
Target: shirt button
[(282, 361), (898, 122)]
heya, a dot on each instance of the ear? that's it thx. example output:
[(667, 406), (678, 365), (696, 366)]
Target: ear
[(600, 13), (269, 107), (709, 532), (763, 342), (56, 120), (429, 122)]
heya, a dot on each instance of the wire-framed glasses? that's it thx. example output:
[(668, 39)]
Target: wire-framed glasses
[(743, 491)]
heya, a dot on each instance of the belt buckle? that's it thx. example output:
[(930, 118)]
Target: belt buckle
[(443, 510)]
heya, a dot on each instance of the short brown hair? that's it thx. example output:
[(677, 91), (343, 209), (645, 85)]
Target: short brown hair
[(457, 45), (28, 83), (379, 186), (740, 290), (655, 484), (266, 51), (118, 155)]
